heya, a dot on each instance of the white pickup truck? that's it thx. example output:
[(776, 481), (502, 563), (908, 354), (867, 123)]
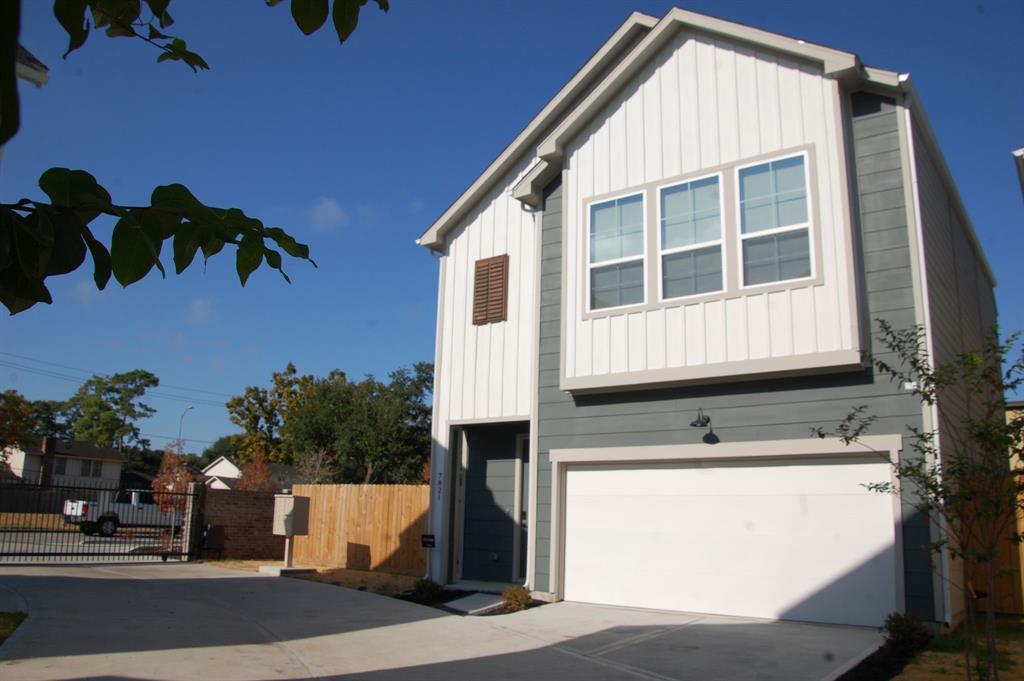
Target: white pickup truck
[(112, 509)]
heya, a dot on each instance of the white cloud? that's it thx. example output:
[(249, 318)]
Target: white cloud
[(86, 293), (326, 214), (200, 312)]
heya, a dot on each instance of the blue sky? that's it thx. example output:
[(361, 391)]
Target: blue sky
[(355, 149)]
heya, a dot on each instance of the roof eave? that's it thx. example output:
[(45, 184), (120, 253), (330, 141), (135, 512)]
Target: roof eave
[(635, 24)]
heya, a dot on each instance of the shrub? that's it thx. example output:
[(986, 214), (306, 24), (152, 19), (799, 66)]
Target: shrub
[(516, 598), (426, 591), (906, 632)]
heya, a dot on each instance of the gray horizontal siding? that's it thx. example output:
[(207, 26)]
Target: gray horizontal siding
[(756, 410)]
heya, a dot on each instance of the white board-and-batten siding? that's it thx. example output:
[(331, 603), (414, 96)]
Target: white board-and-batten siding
[(704, 103), (485, 371)]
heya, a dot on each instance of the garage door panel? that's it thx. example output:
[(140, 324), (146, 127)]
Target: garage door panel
[(727, 540)]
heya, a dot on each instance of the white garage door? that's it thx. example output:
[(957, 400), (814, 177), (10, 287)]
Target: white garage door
[(800, 540)]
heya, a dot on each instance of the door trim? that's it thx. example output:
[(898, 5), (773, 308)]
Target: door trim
[(518, 569)]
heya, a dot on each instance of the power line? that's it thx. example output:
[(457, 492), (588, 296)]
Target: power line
[(79, 381), (186, 439), (98, 373)]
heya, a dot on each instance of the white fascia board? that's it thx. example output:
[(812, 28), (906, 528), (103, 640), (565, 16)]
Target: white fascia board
[(1018, 157), (626, 33), (37, 77), (926, 135), (834, 63)]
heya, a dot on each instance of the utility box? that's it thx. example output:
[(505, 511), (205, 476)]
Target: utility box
[(291, 515)]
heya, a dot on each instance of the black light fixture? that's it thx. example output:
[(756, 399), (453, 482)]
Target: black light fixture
[(702, 420)]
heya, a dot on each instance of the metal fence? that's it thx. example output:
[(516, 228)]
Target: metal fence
[(94, 523)]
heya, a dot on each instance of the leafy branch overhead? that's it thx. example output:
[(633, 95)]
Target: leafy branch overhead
[(39, 239)]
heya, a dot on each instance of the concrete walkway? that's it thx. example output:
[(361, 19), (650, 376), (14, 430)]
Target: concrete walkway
[(194, 622)]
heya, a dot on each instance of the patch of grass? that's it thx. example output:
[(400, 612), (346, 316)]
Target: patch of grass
[(34, 521), (9, 621), (943, 660)]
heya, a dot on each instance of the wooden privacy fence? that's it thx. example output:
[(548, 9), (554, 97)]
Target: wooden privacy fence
[(365, 527)]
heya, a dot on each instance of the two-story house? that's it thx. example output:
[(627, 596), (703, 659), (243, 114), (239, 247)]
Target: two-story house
[(75, 464), (650, 298)]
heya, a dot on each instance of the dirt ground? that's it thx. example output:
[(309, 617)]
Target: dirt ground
[(383, 583)]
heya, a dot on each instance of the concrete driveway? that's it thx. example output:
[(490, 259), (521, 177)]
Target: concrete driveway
[(194, 621)]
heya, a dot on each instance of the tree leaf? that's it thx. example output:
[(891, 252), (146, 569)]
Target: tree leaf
[(309, 15), (346, 18), (274, 260), (100, 258), (71, 16), (249, 256), (154, 34), (159, 10), (383, 4), (66, 249), (289, 244), (132, 252), (186, 243), (177, 199), (75, 189)]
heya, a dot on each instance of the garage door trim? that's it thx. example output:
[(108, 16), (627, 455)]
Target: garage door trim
[(869, 447)]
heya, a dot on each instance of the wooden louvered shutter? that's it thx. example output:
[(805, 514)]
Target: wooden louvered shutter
[(490, 290)]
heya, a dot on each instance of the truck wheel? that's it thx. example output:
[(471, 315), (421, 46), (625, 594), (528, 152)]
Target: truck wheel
[(108, 526), (88, 529)]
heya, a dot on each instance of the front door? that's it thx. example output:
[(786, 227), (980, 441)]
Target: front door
[(493, 509)]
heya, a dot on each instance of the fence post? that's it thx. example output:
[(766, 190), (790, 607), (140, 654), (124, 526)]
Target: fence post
[(193, 522)]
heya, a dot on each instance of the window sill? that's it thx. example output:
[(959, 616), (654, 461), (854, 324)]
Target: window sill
[(721, 372)]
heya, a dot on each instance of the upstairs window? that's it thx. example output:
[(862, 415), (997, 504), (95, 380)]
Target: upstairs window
[(691, 238), (774, 221), (490, 290), (91, 469), (616, 261), (60, 465)]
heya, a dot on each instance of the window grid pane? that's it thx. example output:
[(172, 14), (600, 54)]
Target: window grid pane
[(692, 272), (617, 229), (690, 213), (776, 257), (615, 285), (773, 194)]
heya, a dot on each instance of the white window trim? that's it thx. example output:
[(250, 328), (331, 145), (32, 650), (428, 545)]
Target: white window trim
[(720, 242), (808, 225), (616, 261)]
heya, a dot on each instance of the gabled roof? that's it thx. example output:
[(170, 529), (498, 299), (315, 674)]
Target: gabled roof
[(613, 50), (218, 460), (635, 42)]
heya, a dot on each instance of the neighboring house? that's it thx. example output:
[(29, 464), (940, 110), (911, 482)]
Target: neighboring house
[(75, 463), (223, 474), (29, 69), (654, 294)]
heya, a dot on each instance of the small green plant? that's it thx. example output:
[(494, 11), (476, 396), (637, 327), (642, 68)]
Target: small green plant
[(426, 591), (516, 598), (906, 632)]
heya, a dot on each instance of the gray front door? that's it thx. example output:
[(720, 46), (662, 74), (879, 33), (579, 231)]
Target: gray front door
[(491, 549)]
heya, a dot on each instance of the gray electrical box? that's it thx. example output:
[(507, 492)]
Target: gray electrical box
[(291, 515)]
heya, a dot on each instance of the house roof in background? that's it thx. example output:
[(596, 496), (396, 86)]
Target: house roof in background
[(80, 450)]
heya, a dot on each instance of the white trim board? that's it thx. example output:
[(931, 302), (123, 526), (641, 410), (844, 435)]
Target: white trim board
[(869, 445)]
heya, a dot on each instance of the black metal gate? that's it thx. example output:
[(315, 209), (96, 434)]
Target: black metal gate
[(80, 523)]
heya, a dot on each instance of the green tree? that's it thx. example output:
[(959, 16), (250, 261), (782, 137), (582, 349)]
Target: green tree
[(261, 412), (17, 427), (107, 408), (39, 239), (973, 487), (229, 446), (53, 418), (377, 432)]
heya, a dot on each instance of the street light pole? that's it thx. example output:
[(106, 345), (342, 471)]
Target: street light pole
[(181, 421)]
